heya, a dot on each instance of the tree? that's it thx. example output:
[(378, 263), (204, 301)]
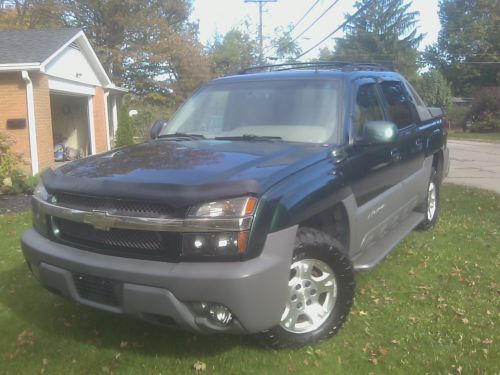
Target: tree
[(434, 89), (232, 52), (148, 45), (384, 31), (30, 14), (284, 45), (468, 48), (125, 131)]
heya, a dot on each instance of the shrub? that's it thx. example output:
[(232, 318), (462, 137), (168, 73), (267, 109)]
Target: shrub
[(147, 115), (434, 89), (457, 115), (125, 131), (22, 183), (485, 110), (9, 160)]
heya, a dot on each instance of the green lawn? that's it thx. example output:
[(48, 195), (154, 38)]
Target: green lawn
[(458, 134), (431, 307)]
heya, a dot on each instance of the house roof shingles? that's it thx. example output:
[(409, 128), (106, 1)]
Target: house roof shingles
[(32, 46)]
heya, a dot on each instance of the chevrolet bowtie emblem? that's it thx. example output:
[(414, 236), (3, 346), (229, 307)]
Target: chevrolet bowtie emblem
[(100, 220)]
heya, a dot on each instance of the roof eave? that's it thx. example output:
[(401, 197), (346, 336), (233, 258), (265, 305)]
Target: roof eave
[(19, 67)]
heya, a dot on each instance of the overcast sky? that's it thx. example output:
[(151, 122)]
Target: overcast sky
[(223, 15)]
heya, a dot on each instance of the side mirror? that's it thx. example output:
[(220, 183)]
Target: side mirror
[(377, 132), (156, 128)]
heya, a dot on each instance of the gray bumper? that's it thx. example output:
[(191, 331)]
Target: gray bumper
[(254, 290)]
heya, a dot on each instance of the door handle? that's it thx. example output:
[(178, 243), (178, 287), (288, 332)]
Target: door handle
[(419, 142)]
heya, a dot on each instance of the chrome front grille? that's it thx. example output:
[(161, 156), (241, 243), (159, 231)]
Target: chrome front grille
[(119, 207), (122, 242)]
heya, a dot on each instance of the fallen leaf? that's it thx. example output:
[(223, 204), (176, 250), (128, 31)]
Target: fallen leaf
[(373, 361), (199, 366), (383, 351), (363, 313), (123, 344), (465, 320)]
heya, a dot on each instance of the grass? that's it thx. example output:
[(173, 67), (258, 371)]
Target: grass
[(431, 307), (488, 137)]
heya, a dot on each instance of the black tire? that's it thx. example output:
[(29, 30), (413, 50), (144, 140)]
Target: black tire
[(312, 245), (430, 220)]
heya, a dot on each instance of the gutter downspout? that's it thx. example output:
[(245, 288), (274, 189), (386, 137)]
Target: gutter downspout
[(30, 103)]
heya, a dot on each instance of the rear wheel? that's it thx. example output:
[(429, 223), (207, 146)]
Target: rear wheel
[(432, 204), (320, 292)]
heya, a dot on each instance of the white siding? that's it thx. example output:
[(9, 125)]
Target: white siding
[(72, 65)]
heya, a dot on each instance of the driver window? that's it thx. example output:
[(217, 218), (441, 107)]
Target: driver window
[(367, 107)]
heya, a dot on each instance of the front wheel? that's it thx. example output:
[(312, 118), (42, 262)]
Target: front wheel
[(320, 292)]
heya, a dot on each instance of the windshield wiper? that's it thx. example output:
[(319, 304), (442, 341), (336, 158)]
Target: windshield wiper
[(249, 137), (189, 136)]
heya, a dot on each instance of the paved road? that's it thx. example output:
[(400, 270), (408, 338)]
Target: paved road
[(475, 164)]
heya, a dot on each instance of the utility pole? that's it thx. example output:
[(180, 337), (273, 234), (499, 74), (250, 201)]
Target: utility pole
[(261, 37)]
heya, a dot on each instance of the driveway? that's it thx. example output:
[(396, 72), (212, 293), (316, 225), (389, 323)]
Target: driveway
[(475, 164)]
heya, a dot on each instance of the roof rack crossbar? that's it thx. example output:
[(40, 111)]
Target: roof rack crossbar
[(339, 65)]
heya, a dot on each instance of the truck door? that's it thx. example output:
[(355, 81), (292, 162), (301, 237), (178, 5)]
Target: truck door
[(372, 169), (402, 112)]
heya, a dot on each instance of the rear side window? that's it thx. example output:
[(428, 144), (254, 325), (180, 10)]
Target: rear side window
[(398, 103), (422, 110)]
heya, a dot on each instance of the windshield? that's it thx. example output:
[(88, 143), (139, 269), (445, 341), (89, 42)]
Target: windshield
[(292, 110)]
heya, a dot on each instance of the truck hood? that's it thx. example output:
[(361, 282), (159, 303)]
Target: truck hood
[(184, 172)]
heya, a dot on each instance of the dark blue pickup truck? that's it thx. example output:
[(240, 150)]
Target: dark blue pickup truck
[(252, 208)]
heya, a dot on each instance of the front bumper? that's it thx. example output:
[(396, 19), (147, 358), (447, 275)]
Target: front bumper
[(254, 290)]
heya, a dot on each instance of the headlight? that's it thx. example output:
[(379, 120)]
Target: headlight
[(219, 243), (236, 207), (40, 192)]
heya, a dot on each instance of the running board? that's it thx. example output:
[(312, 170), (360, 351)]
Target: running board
[(373, 255)]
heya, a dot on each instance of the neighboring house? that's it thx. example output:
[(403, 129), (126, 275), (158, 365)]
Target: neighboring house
[(54, 90)]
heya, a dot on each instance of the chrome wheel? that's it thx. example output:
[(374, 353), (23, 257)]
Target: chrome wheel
[(431, 201), (312, 294)]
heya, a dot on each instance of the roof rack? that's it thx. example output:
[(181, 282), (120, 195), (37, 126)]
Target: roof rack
[(327, 65)]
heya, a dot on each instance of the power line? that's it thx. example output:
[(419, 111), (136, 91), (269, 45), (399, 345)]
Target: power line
[(315, 21), (303, 16), (338, 28)]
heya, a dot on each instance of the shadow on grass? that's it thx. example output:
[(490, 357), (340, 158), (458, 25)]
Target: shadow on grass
[(62, 319)]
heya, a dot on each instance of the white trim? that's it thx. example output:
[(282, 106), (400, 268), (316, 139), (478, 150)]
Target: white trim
[(114, 116), (30, 103), (112, 87), (106, 119), (86, 49), (19, 67), (59, 84), (90, 114)]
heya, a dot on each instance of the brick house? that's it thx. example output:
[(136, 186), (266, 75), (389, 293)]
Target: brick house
[(54, 90)]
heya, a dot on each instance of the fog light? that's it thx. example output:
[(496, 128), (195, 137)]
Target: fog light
[(214, 244), (220, 315)]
